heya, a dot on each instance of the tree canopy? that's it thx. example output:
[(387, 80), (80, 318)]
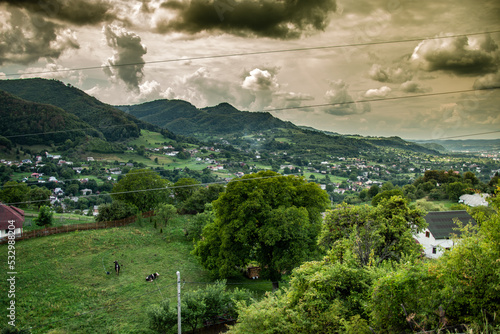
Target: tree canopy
[(142, 188), (373, 233), (266, 218)]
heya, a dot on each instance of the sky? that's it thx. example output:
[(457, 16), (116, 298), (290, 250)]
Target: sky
[(414, 69)]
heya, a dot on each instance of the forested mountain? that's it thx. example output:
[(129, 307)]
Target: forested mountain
[(397, 142), (112, 122), (177, 117), (21, 120), (183, 118), (223, 120)]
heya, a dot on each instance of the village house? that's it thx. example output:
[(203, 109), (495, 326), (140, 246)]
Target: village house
[(86, 192), (436, 238), (7, 215)]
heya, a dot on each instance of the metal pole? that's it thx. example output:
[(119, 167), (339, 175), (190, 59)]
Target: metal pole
[(179, 330)]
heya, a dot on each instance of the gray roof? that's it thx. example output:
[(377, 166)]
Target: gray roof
[(441, 223)]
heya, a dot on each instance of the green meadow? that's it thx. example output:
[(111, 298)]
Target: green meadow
[(62, 285)]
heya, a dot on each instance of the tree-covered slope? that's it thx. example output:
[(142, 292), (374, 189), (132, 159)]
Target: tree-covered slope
[(112, 122), (183, 118), (399, 143), (24, 121)]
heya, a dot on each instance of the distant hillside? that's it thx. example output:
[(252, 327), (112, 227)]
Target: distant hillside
[(468, 145), (182, 117), (397, 142), (112, 122), (21, 120)]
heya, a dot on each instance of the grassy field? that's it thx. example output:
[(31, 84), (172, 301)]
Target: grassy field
[(150, 139), (59, 219), (62, 285)]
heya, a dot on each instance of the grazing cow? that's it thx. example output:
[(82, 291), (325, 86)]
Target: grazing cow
[(152, 277), (117, 268)]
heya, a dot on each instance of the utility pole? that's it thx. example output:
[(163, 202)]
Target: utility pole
[(179, 330)]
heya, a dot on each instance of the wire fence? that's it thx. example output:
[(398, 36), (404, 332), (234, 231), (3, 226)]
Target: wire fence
[(77, 227)]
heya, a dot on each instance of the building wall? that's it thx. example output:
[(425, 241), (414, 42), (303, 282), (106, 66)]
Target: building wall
[(5, 233), (433, 248)]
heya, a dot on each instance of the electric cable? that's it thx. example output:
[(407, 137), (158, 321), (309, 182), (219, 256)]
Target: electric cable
[(419, 39)]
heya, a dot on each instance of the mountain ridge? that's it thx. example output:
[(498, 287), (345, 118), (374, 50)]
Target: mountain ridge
[(114, 124)]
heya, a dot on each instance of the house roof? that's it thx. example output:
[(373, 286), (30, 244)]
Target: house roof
[(10, 213), (442, 223)]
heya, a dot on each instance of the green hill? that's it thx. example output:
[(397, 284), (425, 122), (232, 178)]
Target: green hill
[(112, 122), (23, 121), (398, 143), (181, 117)]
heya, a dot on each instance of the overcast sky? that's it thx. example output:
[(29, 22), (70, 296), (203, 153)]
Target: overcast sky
[(378, 49)]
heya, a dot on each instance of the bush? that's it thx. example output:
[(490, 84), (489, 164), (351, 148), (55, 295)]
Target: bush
[(115, 211), (45, 216), (204, 306)]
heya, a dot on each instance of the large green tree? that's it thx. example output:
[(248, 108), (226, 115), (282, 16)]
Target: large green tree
[(373, 233), (39, 196), (14, 192), (266, 218), (114, 211), (142, 188)]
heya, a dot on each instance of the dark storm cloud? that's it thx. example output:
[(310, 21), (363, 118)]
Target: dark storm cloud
[(79, 12), (269, 18), (26, 38), (458, 55), (128, 49)]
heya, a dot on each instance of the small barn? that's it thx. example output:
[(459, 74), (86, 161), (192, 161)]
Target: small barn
[(10, 216), (436, 238)]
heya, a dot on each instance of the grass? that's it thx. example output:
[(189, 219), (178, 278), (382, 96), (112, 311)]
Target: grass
[(150, 139), (59, 219), (62, 285)]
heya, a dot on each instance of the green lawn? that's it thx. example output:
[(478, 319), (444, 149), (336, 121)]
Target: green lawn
[(62, 285)]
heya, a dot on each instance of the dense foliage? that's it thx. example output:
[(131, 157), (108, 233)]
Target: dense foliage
[(115, 211), (373, 234), (264, 217), (186, 119), (31, 119), (45, 216), (113, 123), (341, 294), (141, 188), (210, 305)]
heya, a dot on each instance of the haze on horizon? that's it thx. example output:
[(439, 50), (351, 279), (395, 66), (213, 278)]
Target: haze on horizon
[(437, 49)]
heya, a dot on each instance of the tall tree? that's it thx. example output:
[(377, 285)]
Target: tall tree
[(39, 196), (264, 217), (142, 188), (14, 192), (374, 233)]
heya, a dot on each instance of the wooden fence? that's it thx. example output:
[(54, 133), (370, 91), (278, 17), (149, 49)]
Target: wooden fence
[(77, 227)]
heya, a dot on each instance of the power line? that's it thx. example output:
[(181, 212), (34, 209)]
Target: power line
[(257, 53), (163, 188), (295, 107), (469, 135), (71, 130), (379, 100)]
